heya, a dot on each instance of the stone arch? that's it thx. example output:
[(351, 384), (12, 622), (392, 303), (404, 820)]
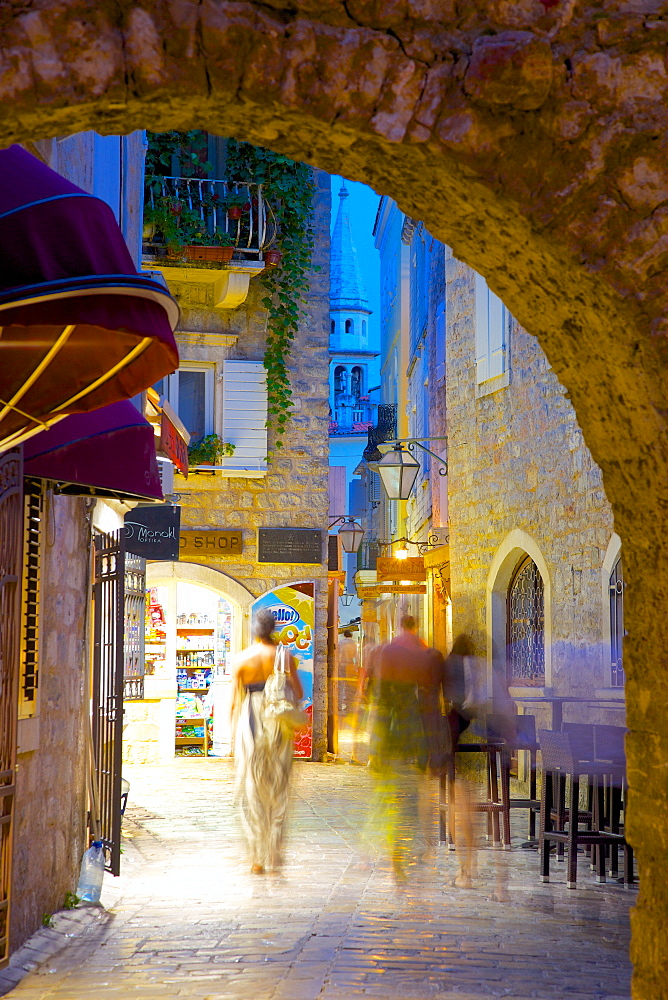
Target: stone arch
[(530, 137), (514, 546), (169, 573)]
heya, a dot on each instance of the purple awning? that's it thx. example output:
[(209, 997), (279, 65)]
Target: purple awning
[(109, 452), (79, 327)]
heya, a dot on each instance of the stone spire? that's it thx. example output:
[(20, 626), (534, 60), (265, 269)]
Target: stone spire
[(347, 291)]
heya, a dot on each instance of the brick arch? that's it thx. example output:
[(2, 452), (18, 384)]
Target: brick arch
[(527, 134)]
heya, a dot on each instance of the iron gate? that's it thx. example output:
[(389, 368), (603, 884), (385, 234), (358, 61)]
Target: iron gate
[(11, 545), (108, 668)]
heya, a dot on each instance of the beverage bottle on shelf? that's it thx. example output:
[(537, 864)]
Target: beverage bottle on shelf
[(92, 873)]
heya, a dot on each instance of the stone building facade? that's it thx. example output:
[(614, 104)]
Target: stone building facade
[(291, 493), (523, 483)]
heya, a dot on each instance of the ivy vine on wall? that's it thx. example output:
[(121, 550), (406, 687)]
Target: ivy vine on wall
[(288, 188)]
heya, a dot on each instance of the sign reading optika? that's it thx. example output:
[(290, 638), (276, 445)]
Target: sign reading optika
[(210, 543)]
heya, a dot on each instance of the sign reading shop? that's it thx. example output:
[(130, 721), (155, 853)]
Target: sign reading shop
[(153, 532), (211, 543)]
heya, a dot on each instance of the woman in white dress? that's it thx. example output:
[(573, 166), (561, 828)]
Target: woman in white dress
[(263, 749)]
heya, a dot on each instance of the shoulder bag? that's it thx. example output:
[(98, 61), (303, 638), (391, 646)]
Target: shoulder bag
[(280, 702)]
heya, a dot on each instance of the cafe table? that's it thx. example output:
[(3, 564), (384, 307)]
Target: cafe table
[(558, 701)]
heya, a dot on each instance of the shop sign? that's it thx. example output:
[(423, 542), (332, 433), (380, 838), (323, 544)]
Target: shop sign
[(153, 532), (401, 569), (172, 445), (289, 545), (369, 593), (293, 608), (210, 543)]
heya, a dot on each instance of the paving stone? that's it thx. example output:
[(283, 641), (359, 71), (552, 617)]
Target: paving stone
[(191, 923)]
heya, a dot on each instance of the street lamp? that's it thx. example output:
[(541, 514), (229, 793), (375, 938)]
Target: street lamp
[(346, 599), (351, 534), (398, 471)]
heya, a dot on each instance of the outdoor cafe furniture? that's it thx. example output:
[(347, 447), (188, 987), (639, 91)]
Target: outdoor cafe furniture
[(497, 801), (560, 759), (523, 738)]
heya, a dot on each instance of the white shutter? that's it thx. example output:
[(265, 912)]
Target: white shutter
[(497, 336), (337, 491), (481, 329), (245, 417)]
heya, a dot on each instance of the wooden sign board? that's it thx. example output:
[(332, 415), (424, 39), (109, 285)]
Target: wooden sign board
[(172, 445), (401, 569), (289, 545), (211, 543), (371, 593), (153, 532)]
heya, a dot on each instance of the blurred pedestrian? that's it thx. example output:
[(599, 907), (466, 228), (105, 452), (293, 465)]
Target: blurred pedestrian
[(398, 746), (347, 666), (263, 748)]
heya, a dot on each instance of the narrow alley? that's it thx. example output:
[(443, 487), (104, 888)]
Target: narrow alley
[(189, 921)]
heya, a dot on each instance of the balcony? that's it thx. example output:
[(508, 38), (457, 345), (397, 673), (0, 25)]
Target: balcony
[(215, 233), (385, 430), (351, 419)]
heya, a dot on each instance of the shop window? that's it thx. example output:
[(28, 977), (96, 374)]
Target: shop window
[(29, 670), (616, 586), (526, 626), (491, 326)]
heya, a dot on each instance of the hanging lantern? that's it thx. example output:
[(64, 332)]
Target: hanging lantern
[(398, 471), (80, 328), (346, 599), (351, 534)]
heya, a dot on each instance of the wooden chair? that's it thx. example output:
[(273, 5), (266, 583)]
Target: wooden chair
[(560, 759), (497, 802)]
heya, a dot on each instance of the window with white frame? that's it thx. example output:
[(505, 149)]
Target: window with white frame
[(491, 332), (190, 392)]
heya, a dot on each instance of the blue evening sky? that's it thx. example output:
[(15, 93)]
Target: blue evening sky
[(362, 207)]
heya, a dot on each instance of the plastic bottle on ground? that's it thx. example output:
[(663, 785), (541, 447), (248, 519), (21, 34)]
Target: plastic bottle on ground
[(92, 873)]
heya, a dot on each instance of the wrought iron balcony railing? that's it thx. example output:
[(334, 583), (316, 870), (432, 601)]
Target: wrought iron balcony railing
[(223, 212)]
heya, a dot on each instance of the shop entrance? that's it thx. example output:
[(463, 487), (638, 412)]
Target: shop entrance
[(190, 633), (196, 621)]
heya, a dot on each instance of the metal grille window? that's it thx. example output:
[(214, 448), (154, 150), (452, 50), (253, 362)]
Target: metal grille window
[(617, 625), (526, 626), (135, 613), (29, 670), (107, 707)]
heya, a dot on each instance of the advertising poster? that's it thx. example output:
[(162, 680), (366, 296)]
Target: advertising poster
[(293, 608)]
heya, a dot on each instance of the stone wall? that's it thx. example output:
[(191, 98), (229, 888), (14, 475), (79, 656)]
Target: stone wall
[(294, 492), (518, 461), (49, 830)]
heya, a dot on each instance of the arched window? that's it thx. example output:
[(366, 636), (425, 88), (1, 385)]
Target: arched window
[(340, 380), (525, 626), (356, 382), (363, 329), (333, 327), (616, 625), (349, 326)]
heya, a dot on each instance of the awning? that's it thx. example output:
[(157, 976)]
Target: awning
[(107, 453), (79, 327)]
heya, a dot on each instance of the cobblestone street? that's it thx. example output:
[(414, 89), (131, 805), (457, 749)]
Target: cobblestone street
[(190, 922)]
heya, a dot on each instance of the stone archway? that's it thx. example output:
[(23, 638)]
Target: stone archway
[(527, 134)]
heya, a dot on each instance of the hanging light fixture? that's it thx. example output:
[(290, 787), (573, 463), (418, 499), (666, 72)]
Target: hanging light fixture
[(351, 534), (346, 599), (398, 471)]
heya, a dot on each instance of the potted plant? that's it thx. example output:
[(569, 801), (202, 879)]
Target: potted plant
[(235, 204), (208, 451), (272, 257), (216, 248)]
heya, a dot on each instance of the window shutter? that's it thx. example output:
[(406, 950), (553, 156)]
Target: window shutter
[(481, 329), (337, 491), (497, 336), (245, 416), (440, 339)]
